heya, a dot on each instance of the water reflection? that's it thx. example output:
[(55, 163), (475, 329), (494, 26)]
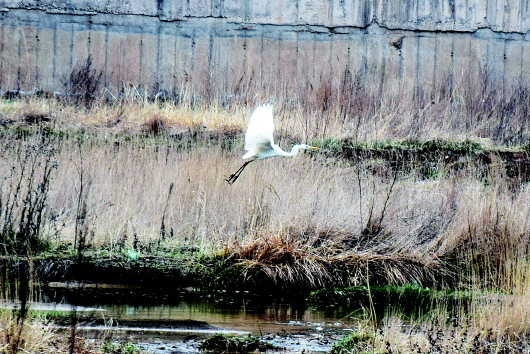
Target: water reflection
[(241, 312)]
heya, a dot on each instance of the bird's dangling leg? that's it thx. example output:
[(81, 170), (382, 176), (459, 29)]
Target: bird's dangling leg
[(233, 177)]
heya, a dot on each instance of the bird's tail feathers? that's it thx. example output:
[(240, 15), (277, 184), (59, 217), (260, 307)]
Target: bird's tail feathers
[(249, 154)]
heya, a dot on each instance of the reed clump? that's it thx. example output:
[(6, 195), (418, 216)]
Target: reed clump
[(25, 335)]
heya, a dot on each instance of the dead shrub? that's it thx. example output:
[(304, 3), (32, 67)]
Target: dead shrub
[(34, 118), (284, 260), (84, 84), (29, 336), (156, 125)]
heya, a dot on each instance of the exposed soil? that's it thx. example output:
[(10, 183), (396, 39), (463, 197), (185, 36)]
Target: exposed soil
[(430, 158)]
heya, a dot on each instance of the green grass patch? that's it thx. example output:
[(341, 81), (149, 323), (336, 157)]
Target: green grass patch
[(123, 347), (353, 343), (221, 343)]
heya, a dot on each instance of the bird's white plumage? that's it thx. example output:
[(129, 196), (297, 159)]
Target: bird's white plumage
[(258, 137), (259, 142)]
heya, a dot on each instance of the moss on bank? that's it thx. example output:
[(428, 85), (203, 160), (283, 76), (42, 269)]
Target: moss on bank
[(200, 271), (230, 344), (431, 159)]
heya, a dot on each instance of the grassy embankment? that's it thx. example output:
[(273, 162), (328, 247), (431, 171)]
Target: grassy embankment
[(404, 191)]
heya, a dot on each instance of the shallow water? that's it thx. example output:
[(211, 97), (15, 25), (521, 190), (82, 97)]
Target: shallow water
[(177, 322)]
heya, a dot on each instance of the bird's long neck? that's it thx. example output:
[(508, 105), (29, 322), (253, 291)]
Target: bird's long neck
[(294, 151)]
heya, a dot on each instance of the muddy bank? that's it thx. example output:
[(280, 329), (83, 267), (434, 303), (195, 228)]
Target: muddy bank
[(173, 276), (432, 159)]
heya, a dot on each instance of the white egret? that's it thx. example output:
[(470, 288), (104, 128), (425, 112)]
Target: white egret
[(259, 142)]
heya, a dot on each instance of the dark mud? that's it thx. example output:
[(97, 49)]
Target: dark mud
[(433, 159), (169, 274)]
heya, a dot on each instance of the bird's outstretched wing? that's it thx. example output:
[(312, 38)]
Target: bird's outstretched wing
[(259, 132)]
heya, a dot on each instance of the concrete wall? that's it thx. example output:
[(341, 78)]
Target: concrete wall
[(229, 46)]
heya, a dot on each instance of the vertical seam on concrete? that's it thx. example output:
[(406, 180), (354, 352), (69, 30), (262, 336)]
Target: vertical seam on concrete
[(210, 65), (487, 17), (452, 75), (54, 59), (193, 44), (453, 12), (383, 68), (434, 67), (330, 61), (105, 64), (400, 61), (141, 58), (364, 61), (89, 44), (469, 57), (261, 82), (246, 10), (26, 60), (504, 70), (278, 69), (19, 73), (520, 25), (244, 75), (417, 19), (2, 76), (504, 15), (71, 47), (348, 62), (331, 6), (175, 47), (384, 8), (37, 46), (297, 46), (158, 83)]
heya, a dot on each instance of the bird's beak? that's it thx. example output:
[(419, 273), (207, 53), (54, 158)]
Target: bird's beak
[(312, 148)]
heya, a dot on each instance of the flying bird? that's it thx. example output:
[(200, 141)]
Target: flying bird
[(259, 141)]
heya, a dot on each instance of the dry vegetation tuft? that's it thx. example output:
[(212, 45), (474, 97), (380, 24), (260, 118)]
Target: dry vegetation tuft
[(156, 125), (36, 335), (493, 323), (25, 336)]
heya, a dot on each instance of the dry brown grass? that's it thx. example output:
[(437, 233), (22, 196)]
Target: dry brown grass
[(155, 126), (29, 336), (306, 213), (434, 336), (471, 106), (493, 323)]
